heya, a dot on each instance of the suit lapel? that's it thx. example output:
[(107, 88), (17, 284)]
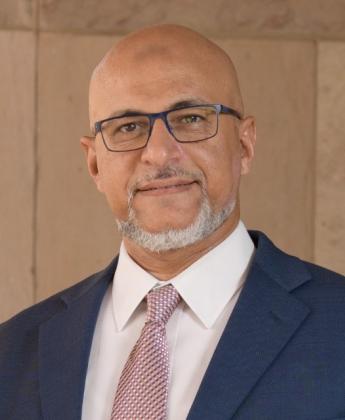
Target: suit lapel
[(64, 346), (264, 320)]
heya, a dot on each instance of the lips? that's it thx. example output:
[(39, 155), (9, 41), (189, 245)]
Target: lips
[(165, 186), (155, 185)]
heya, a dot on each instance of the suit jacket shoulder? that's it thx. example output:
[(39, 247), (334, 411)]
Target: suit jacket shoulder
[(23, 341), (41, 311), (282, 353)]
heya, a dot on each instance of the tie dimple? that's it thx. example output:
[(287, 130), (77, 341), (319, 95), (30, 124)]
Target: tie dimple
[(143, 387), (161, 303)]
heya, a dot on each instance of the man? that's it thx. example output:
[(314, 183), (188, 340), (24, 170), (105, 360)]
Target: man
[(234, 327)]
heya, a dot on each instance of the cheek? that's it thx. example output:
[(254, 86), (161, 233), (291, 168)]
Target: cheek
[(114, 176), (223, 166)]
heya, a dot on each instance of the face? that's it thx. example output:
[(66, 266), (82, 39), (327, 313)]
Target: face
[(166, 183)]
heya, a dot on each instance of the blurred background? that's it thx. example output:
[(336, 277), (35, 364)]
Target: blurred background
[(290, 54)]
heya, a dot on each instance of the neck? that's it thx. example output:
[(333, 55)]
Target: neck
[(166, 265)]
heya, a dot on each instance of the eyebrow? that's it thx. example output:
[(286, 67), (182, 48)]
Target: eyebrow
[(188, 102), (179, 104)]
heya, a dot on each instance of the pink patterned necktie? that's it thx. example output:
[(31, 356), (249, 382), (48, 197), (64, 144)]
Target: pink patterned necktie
[(142, 392)]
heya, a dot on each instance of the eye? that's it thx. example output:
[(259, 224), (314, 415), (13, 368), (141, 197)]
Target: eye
[(191, 119), (129, 127)]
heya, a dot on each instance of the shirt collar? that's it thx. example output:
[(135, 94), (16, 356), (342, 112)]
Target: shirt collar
[(206, 286)]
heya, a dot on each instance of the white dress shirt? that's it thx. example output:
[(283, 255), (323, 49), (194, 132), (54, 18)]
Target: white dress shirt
[(209, 289)]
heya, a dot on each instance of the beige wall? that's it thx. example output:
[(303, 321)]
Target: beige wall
[(55, 228)]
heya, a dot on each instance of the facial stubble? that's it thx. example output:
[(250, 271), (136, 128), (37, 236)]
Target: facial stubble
[(204, 224)]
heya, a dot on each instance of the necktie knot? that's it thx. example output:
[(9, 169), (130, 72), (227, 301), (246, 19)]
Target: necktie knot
[(161, 303)]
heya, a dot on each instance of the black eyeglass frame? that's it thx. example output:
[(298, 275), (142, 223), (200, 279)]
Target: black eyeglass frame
[(220, 109)]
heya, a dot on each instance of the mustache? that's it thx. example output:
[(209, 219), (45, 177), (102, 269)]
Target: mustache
[(166, 173)]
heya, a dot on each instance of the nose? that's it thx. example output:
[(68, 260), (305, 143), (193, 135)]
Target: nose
[(161, 147)]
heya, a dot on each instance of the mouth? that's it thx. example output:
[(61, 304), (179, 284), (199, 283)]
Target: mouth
[(166, 186)]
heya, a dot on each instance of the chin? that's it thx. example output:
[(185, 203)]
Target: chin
[(165, 226), (166, 237)]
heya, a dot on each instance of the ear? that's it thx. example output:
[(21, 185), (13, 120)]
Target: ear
[(89, 146), (247, 134)]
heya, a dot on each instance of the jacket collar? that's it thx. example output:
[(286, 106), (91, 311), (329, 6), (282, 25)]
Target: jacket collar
[(288, 271)]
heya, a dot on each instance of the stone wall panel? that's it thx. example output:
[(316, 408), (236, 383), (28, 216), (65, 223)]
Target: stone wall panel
[(17, 14), (330, 154), (278, 80), (17, 171), (76, 234), (219, 18)]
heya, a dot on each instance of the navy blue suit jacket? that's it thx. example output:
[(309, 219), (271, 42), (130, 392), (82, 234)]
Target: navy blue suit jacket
[(281, 356)]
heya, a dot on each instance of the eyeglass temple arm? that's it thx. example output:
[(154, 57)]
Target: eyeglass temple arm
[(226, 110), (97, 127)]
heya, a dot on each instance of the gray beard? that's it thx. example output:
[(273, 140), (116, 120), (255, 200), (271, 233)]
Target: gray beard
[(206, 222)]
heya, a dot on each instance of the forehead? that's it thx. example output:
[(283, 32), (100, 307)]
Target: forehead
[(152, 84)]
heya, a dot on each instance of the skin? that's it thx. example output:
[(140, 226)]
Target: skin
[(150, 71)]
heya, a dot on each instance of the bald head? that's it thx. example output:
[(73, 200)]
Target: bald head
[(172, 51)]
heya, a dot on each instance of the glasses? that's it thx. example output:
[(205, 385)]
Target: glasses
[(188, 124)]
